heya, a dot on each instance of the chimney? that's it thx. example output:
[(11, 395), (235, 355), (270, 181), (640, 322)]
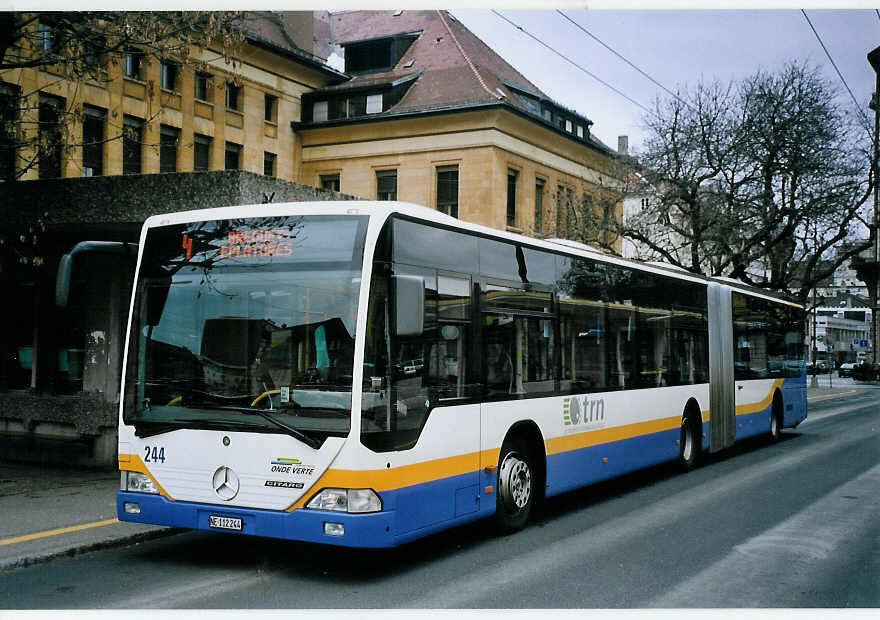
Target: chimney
[(623, 145)]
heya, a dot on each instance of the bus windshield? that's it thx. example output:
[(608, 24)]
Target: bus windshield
[(246, 324)]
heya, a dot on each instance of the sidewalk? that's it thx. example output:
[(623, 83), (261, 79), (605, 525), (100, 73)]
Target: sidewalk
[(51, 512)]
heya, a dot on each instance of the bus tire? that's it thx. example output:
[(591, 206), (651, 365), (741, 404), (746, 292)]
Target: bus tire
[(776, 419), (689, 441), (517, 486)]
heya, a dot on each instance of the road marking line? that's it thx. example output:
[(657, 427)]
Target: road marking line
[(829, 396), (780, 564), (61, 530)]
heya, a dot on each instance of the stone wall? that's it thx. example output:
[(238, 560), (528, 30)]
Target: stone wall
[(133, 198)]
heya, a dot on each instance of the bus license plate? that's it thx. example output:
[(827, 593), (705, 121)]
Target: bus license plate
[(225, 523)]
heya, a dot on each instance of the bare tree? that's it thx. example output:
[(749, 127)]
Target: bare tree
[(757, 181), (74, 48)]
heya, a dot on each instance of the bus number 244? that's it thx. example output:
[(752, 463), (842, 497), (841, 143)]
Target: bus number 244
[(154, 454)]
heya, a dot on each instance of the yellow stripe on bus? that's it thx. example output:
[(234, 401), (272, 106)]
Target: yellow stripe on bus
[(762, 404), (555, 445)]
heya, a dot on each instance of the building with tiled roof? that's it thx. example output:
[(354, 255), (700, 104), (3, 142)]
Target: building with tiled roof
[(430, 114)]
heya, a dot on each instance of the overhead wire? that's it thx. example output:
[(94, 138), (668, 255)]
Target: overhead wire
[(572, 62), (861, 112), (624, 59)]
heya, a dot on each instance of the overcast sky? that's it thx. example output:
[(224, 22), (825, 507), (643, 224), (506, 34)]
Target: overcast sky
[(674, 47)]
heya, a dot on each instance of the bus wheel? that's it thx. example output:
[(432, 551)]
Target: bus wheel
[(689, 442), (776, 420), (516, 486)]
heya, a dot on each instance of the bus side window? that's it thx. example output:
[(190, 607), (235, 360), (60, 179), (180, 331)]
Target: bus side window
[(448, 364)]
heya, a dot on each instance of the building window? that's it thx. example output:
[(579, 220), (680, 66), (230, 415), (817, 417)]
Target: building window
[(168, 75), (132, 139), (93, 141), (539, 205), (269, 163), (50, 136), (271, 108), (168, 140), (580, 131), (131, 64), (203, 86), (386, 185), (319, 111), (447, 190), (374, 104), (201, 152), (330, 181), (233, 156), (46, 37), (93, 61), (233, 97), (511, 196), (9, 98), (568, 126), (356, 106)]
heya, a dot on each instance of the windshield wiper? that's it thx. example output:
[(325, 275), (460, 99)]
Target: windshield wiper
[(310, 441), (151, 428)]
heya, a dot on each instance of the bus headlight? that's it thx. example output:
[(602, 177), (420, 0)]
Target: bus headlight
[(138, 482), (346, 500)]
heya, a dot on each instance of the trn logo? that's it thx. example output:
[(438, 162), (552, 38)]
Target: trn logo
[(581, 411)]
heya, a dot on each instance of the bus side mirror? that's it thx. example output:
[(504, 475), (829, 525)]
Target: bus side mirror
[(409, 305)]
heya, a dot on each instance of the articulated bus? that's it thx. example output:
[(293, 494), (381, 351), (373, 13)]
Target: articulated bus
[(367, 373)]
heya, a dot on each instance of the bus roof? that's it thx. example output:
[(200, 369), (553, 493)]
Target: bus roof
[(384, 209)]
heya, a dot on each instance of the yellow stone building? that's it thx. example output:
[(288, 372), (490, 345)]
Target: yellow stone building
[(417, 108), (146, 115), (404, 105), (432, 115)]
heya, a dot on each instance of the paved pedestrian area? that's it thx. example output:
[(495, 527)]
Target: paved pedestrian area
[(53, 511)]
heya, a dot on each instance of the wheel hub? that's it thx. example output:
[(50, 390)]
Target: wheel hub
[(688, 447), (515, 482)]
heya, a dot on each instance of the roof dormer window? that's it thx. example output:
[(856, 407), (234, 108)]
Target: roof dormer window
[(380, 54)]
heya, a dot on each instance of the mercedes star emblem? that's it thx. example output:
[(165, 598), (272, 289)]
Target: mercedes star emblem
[(225, 483)]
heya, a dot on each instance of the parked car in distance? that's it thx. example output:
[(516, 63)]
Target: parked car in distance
[(866, 371), (846, 369)]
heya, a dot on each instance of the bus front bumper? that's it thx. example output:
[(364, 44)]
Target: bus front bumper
[(320, 526)]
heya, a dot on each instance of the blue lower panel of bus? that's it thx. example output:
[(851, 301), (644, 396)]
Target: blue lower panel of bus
[(577, 468), (361, 530), (408, 513)]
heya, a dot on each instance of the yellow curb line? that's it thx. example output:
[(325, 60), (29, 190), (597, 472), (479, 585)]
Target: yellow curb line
[(61, 530)]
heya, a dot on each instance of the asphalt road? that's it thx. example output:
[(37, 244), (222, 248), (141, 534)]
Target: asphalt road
[(792, 524)]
